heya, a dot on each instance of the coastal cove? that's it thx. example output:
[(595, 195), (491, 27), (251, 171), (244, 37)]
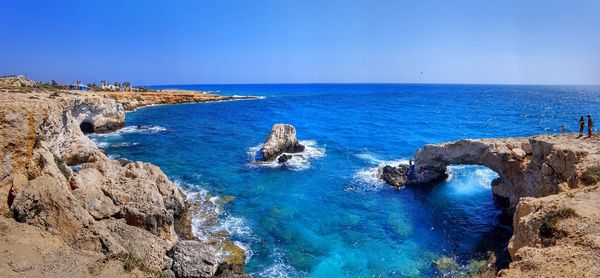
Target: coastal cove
[(330, 215)]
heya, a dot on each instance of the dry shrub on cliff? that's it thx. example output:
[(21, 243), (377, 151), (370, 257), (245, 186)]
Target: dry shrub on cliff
[(548, 230), (591, 176), (62, 166)]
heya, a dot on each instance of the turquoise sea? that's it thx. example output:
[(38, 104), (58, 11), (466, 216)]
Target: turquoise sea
[(329, 216)]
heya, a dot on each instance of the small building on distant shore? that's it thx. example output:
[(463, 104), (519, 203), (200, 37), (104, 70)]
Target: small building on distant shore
[(78, 86)]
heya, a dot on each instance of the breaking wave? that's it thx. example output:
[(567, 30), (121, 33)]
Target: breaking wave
[(298, 162), (210, 219), (367, 179), (143, 129), (279, 268), (105, 145)]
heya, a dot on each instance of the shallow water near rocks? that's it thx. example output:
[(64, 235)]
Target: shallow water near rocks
[(329, 216)]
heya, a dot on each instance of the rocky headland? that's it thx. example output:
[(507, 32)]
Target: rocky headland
[(66, 209), (551, 187), (133, 100)]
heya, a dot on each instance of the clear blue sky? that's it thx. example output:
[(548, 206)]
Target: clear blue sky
[(279, 41)]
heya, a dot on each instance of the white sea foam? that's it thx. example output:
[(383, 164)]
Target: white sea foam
[(144, 129), (279, 268), (367, 179), (298, 162), (210, 218), (104, 145), (480, 177), (248, 97)]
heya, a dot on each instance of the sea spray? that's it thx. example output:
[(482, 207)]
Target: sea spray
[(143, 129), (210, 220), (368, 179), (298, 162)]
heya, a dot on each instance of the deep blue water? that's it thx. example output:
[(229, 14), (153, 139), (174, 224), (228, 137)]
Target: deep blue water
[(329, 216)]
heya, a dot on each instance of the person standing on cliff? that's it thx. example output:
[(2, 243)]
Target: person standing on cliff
[(590, 126), (581, 126)]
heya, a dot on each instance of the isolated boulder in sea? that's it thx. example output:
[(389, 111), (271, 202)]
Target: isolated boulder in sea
[(284, 158), (395, 176), (282, 139)]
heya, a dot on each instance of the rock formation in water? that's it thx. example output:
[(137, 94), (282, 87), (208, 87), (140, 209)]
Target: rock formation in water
[(527, 167), (104, 214), (551, 183), (282, 139), (396, 176)]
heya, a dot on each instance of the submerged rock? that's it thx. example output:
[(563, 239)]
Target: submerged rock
[(282, 139), (395, 176)]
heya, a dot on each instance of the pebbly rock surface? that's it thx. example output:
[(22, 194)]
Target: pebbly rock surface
[(191, 259), (281, 139), (107, 210)]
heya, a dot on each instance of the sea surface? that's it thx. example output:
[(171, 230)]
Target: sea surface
[(329, 215)]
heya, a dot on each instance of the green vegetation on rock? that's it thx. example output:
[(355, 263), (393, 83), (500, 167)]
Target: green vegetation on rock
[(548, 230), (591, 176)]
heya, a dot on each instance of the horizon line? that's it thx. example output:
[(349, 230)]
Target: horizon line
[(375, 83)]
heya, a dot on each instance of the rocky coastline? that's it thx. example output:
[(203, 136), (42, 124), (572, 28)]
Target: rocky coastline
[(134, 100), (68, 209), (551, 184)]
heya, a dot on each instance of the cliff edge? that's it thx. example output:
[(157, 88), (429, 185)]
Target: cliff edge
[(58, 188), (550, 182)]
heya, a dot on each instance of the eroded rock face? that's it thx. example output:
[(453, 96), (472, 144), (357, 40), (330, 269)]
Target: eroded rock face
[(107, 207), (282, 139), (528, 167), (571, 251), (541, 177), (192, 260)]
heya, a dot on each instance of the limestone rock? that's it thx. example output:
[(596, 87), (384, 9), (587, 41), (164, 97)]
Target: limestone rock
[(133, 100), (395, 176), (106, 208), (16, 81), (573, 250), (518, 153), (553, 160), (282, 139), (193, 259)]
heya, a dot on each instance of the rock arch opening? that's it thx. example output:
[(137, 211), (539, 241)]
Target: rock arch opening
[(87, 127)]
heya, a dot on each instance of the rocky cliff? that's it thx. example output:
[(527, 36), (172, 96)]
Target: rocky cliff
[(57, 185), (528, 167), (557, 235), (550, 182)]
